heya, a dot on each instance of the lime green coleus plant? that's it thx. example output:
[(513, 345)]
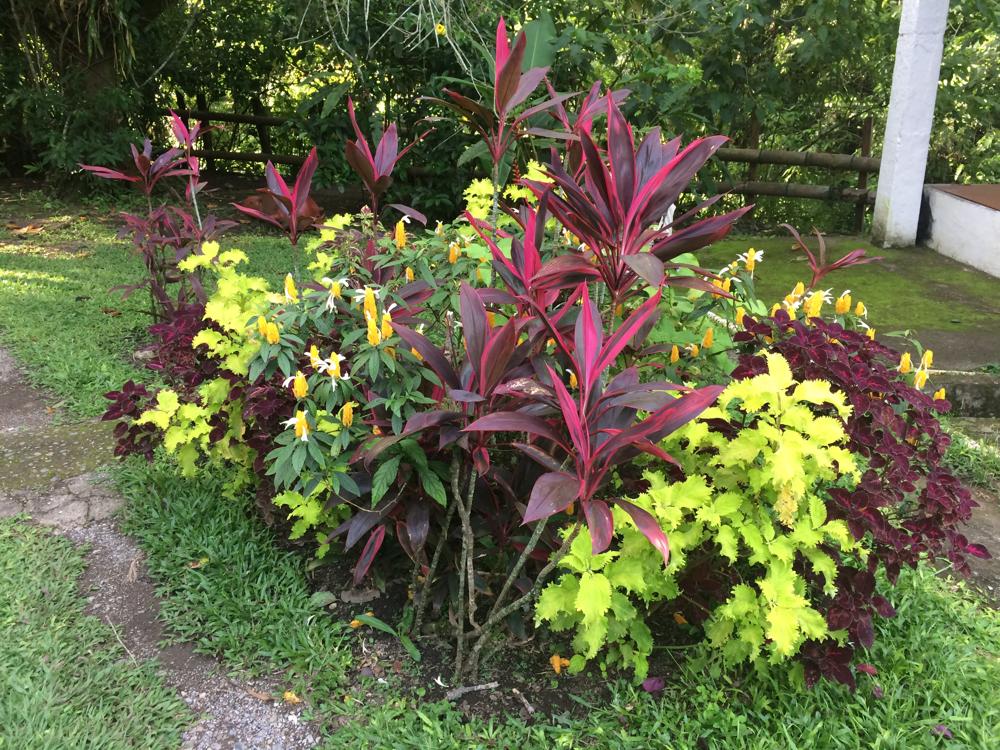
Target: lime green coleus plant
[(754, 498)]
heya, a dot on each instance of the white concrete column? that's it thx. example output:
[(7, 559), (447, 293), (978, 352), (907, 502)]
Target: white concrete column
[(908, 125)]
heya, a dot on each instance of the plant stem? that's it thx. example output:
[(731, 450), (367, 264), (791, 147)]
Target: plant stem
[(536, 534), (498, 616), (432, 570)]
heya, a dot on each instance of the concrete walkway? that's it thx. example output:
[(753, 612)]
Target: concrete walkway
[(51, 472)]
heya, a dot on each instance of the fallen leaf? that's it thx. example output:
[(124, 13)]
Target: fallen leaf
[(26, 229), (111, 311), (653, 684), (680, 619), (558, 662), (259, 695), (195, 564), (291, 697)]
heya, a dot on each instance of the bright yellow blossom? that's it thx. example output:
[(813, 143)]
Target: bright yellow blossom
[(399, 236), (708, 339), (843, 305), (920, 378), (675, 354), (813, 304), (927, 361), (409, 274), (386, 325), (860, 310), (262, 325), (299, 384), (491, 319), (693, 349), (440, 29), (291, 293), (369, 304), (439, 229), (314, 359), (301, 425), (871, 333), (573, 382), (740, 314), (273, 337), (905, 365), (374, 335), (347, 413), (939, 394), (453, 253)]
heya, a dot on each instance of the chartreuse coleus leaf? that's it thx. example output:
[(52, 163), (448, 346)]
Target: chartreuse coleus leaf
[(756, 500)]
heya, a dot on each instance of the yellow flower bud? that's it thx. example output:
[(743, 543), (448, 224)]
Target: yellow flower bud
[(399, 236), (386, 325), (301, 425), (694, 350), (374, 335), (927, 360), (740, 314), (314, 358), (409, 274), (347, 414), (708, 339), (440, 29), (300, 386), (573, 382), (453, 253), (751, 262), (369, 304), (291, 293), (356, 624), (860, 310), (675, 354), (334, 368), (491, 319), (813, 304), (376, 430), (416, 354), (262, 325), (843, 305), (871, 333), (335, 289), (920, 378), (273, 337), (905, 365), (939, 394), (799, 290), (439, 229)]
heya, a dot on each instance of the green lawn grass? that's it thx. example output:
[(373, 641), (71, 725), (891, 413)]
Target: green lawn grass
[(911, 288), (57, 311), (65, 682)]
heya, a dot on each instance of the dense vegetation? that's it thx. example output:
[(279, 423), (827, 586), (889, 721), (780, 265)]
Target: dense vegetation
[(84, 78)]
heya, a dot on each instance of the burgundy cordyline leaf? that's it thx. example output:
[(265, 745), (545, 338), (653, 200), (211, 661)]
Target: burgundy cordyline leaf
[(371, 548), (552, 492), (599, 523)]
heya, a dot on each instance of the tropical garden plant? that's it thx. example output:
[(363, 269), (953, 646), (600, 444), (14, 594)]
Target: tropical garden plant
[(540, 419)]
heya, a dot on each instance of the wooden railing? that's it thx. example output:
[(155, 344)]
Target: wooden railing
[(864, 165)]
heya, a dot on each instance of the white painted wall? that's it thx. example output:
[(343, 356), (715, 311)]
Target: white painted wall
[(964, 230), (908, 124)]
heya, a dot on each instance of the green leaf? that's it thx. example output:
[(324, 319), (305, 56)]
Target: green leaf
[(433, 486), (594, 597), (540, 37), (374, 622), (384, 476), (411, 649), (557, 598), (322, 599)]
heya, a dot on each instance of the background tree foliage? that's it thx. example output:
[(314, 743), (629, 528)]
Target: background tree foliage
[(82, 76)]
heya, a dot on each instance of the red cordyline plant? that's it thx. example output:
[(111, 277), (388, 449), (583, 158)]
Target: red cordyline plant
[(819, 266), (616, 207), (290, 205), (375, 169), (167, 234), (497, 125)]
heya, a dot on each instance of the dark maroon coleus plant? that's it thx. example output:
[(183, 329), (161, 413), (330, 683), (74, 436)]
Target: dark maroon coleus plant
[(907, 505), (615, 207), (598, 427)]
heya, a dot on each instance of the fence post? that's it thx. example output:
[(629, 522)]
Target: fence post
[(866, 150), (207, 137), (257, 106)]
